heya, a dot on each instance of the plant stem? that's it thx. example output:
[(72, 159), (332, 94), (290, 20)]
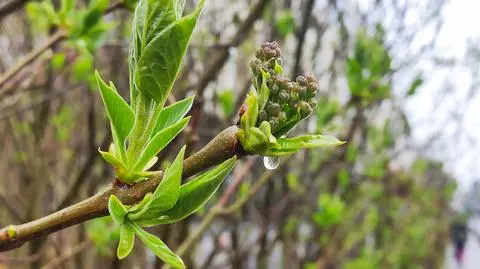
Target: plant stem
[(137, 140), (223, 147)]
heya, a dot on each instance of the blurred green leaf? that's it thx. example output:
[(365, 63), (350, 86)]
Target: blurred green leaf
[(285, 23), (414, 86), (158, 247), (227, 101)]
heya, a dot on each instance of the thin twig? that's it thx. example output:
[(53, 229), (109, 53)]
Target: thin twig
[(68, 255), (307, 13), (32, 56)]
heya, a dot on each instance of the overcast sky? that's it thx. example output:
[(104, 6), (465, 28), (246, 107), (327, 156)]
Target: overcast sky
[(428, 112)]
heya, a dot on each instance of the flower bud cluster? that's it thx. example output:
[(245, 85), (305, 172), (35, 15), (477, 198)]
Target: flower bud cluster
[(288, 100)]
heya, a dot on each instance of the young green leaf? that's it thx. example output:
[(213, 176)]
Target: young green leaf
[(116, 209), (264, 92), (166, 193), (127, 240), (137, 207), (193, 194), (250, 117), (161, 58), (158, 142), (111, 159), (172, 114), (158, 247), (94, 13), (291, 145), (120, 114), (180, 4)]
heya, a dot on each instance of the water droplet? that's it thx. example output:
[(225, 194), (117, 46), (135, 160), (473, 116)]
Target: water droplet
[(271, 162)]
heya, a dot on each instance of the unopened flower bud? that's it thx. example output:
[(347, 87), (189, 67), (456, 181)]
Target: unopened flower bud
[(282, 117), (273, 108), (273, 123), (302, 91), (305, 109), (262, 115), (283, 96), (255, 66), (259, 54), (291, 87), (311, 78), (312, 87), (294, 98), (313, 103), (274, 89), (302, 81)]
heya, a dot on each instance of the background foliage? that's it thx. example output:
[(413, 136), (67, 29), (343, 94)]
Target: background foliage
[(375, 202)]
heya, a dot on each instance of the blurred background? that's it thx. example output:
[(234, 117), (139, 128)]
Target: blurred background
[(398, 81)]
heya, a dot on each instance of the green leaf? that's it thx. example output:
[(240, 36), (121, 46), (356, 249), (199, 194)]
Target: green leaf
[(227, 101), (150, 18), (179, 6), (116, 209), (291, 145), (58, 61), (137, 207), (127, 240), (158, 142), (250, 117), (94, 13), (414, 86), (194, 194), (285, 23), (166, 193), (120, 114), (111, 159), (264, 92), (158, 247), (161, 58), (172, 114)]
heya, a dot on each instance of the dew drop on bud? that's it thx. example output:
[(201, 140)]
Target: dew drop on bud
[(271, 162)]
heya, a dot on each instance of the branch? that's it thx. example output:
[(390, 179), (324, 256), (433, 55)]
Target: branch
[(307, 13), (10, 7), (32, 56), (221, 148)]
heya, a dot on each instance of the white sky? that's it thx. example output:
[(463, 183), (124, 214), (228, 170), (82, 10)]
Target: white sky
[(461, 23)]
